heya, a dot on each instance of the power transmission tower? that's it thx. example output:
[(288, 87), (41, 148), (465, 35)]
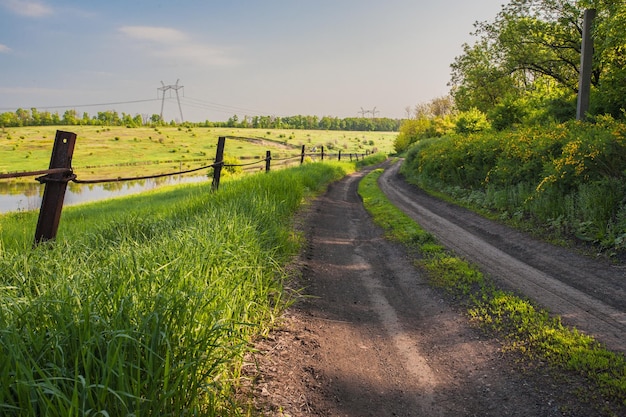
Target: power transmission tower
[(374, 111), (174, 87), (363, 112)]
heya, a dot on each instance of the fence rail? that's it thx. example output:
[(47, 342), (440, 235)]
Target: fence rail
[(60, 173)]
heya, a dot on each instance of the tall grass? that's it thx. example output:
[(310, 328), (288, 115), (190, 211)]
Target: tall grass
[(145, 305)]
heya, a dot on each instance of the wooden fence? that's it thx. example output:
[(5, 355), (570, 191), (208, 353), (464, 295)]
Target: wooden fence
[(60, 173)]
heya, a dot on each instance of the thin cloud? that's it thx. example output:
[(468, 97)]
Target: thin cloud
[(173, 43), (28, 8), (154, 34), (4, 49)]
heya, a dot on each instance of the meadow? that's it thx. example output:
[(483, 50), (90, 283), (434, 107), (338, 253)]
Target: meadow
[(105, 152), (145, 305)]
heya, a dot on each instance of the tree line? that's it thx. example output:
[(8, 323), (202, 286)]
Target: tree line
[(34, 117)]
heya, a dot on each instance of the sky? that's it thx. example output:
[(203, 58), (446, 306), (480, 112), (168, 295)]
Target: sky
[(224, 57)]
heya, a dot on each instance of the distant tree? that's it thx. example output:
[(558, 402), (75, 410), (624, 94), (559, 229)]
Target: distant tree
[(70, 117), (23, 117)]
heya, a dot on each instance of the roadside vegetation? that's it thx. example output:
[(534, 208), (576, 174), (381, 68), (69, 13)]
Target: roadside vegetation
[(564, 181), (526, 329), (145, 305)]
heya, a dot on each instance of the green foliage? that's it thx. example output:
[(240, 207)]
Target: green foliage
[(145, 305), (413, 130), (471, 121), (508, 113), (33, 117), (567, 178), (533, 43)]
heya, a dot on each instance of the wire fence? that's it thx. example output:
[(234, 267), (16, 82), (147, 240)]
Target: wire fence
[(61, 173)]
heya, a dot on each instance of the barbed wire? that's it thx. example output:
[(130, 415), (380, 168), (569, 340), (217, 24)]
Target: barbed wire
[(72, 177), (35, 173), (143, 177)]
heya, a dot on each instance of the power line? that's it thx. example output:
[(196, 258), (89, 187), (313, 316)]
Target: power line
[(225, 107), (188, 101), (82, 105)]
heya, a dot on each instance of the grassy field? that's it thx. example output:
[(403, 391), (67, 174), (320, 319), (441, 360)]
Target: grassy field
[(144, 305), (110, 152)]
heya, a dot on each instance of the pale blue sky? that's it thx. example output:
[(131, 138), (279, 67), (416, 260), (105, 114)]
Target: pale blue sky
[(269, 57)]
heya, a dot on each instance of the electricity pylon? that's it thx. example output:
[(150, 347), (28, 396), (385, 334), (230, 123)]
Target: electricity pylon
[(174, 87)]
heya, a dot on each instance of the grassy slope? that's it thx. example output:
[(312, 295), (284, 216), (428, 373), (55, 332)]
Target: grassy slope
[(144, 304)]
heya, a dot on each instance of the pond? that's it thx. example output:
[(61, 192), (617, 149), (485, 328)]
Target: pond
[(24, 196)]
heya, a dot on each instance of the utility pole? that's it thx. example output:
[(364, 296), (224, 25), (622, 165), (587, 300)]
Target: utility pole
[(586, 58), (174, 87)]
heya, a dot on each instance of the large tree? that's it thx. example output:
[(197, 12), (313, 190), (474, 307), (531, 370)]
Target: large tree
[(533, 41)]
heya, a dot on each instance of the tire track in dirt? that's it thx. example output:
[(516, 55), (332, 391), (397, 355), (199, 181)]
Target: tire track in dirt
[(586, 293)]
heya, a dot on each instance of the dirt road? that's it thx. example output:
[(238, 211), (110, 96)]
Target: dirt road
[(589, 294), (373, 339)]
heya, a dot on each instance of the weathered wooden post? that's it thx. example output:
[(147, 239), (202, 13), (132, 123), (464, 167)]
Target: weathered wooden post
[(322, 150), (339, 156), (219, 163), (268, 158), (586, 58), (302, 156), (55, 186)]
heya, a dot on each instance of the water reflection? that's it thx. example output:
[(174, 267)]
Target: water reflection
[(22, 196)]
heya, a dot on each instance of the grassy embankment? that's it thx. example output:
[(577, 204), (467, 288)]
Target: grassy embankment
[(566, 182), (110, 152), (526, 329), (144, 305)]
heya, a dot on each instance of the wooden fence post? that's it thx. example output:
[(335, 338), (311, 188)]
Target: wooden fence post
[(339, 156), (302, 156), (322, 153), (219, 163), (268, 158), (55, 186)]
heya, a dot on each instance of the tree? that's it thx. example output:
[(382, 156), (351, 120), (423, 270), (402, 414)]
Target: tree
[(478, 79), (70, 117), (539, 41), (610, 49)]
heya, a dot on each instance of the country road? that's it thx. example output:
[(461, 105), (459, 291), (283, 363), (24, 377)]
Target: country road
[(588, 294), (370, 337)]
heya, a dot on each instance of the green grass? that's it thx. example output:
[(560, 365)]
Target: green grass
[(105, 152), (145, 305), (527, 329)]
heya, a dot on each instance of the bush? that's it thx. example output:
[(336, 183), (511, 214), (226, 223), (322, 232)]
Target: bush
[(472, 121), (564, 177)]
